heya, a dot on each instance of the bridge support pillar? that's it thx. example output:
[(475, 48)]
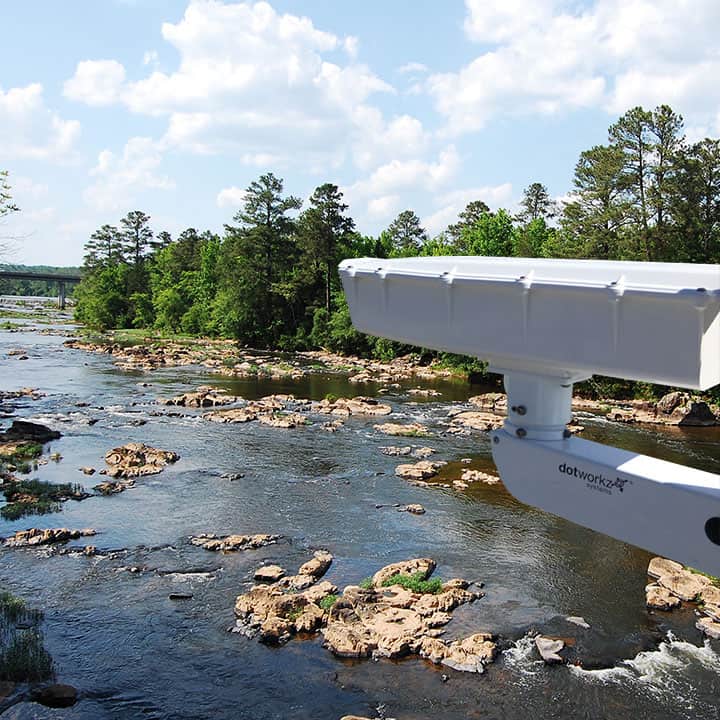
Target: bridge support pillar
[(61, 295)]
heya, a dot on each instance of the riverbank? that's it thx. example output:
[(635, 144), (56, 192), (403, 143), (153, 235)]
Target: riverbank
[(315, 478)]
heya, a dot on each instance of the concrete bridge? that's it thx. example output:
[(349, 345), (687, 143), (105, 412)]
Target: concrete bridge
[(61, 280)]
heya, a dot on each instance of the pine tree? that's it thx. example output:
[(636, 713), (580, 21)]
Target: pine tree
[(104, 248), (406, 233), (537, 204), (321, 229), (136, 235)]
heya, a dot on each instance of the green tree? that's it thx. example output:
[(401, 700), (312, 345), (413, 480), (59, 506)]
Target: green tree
[(492, 234), (102, 299), (536, 204), (536, 239), (406, 233), (322, 229), (7, 205), (695, 203), (594, 218), (256, 257), (104, 248), (468, 217), (136, 235), (162, 240), (666, 128)]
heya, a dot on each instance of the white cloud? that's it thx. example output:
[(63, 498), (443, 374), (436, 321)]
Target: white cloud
[(150, 57), (383, 207), (25, 187), (119, 177), (380, 194), (250, 82), (401, 137), (96, 82), (413, 68), (31, 130), (548, 56), (232, 197), (453, 203), (351, 45)]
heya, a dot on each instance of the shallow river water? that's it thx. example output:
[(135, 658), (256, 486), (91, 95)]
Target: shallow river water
[(134, 653)]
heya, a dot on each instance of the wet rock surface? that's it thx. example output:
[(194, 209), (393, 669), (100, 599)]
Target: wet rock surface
[(33, 537), (233, 543), (204, 396), (420, 470), (137, 459), (382, 619), (675, 408), (24, 431), (403, 429), (344, 407), (675, 584)]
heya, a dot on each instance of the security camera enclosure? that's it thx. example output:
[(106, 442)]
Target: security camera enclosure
[(656, 322)]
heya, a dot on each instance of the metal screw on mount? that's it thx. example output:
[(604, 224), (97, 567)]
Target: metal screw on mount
[(566, 433), (496, 439), (521, 432), (521, 410)]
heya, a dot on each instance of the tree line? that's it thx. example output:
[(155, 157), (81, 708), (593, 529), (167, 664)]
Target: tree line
[(270, 279)]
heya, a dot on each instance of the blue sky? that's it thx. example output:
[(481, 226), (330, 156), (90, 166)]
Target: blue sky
[(174, 107)]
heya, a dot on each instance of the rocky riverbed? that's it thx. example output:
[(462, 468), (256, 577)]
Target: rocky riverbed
[(351, 588)]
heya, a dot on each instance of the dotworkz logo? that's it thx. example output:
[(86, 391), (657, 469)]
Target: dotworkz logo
[(594, 481)]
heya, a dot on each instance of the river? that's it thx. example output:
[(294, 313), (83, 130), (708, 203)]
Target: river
[(134, 653)]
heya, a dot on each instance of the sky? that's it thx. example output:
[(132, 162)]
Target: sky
[(174, 107)]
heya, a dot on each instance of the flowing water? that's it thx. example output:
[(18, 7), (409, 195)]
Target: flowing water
[(134, 653)]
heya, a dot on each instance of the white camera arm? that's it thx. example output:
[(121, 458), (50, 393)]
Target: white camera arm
[(545, 324)]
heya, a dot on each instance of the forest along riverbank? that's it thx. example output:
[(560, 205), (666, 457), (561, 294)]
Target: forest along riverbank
[(326, 511)]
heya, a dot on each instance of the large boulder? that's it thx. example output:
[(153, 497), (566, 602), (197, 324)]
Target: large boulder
[(660, 598), (421, 470), (399, 429), (676, 408), (709, 627), (22, 430), (684, 584), (318, 566), (137, 459), (232, 543), (204, 396), (353, 406), (425, 566), (37, 536), (471, 654)]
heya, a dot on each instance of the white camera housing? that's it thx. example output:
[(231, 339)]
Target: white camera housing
[(545, 324)]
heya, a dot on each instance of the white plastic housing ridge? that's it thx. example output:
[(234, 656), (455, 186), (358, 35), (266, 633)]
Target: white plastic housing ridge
[(657, 322), (654, 504)]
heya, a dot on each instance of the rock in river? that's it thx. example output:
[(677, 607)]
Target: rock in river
[(137, 459), (660, 598), (549, 649), (318, 566), (38, 536), (29, 432), (382, 620), (269, 573), (231, 543), (409, 430), (353, 406), (420, 470), (205, 396)]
